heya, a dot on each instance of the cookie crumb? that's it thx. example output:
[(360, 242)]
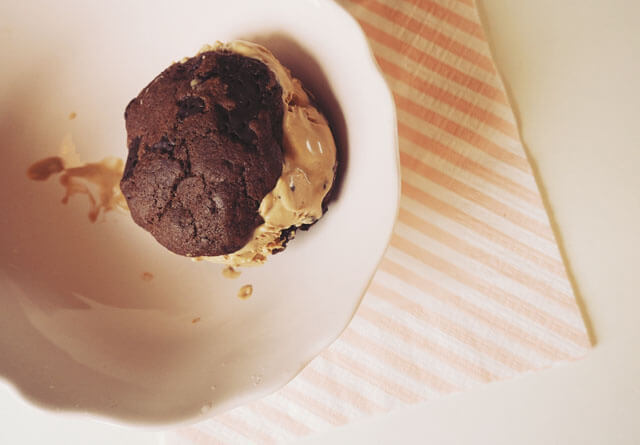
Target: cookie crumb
[(146, 276), (245, 291), (195, 320), (72, 115)]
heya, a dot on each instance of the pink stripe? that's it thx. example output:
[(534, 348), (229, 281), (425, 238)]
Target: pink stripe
[(449, 16), (398, 362), (496, 323), (361, 370), (435, 320), (500, 265), (460, 104), (491, 291), (430, 34), (314, 406), (469, 136), (280, 418), (244, 429), (198, 437), (487, 231), (412, 337), (340, 391), (433, 64), (409, 158), (475, 196)]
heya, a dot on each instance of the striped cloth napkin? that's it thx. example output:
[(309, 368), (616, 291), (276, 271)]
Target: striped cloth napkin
[(473, 288)]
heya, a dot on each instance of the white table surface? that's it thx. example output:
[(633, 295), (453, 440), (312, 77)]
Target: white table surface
[(573, 70)]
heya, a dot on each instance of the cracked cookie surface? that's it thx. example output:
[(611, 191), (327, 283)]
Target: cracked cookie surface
[(205, 147)]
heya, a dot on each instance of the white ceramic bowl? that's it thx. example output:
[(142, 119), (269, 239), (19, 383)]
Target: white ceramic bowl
[(80, 331)]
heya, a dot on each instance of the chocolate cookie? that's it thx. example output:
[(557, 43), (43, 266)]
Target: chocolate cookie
[(205, 147)]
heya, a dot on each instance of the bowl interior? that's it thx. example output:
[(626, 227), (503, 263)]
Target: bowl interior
[(80, 329)]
